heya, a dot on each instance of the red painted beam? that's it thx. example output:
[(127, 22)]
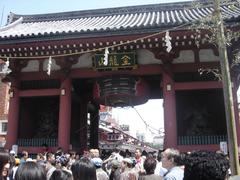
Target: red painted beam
[(198, 85), (140, 70), (91, 73), (39, 92), (153, 69)]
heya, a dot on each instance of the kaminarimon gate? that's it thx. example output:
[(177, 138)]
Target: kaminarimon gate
[(65, 64)]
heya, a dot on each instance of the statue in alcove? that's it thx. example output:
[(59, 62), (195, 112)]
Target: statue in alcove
[(47, 128), (198, 121)]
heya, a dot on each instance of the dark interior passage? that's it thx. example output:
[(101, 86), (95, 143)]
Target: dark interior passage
[(200, 112), (39, 115)]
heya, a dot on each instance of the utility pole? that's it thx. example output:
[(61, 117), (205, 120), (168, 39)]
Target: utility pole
[(227, 91)]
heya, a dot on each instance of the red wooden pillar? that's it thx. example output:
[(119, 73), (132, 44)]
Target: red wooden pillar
[(64, 123), (13, 116), (170, 121)]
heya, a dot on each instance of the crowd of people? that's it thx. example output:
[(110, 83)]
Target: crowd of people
[(169, 164)]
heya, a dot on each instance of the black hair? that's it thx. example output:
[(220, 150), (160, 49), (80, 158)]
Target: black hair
[(24, 153), (60, 174), (205, 165), (30, 171), (150, 165), (72, 153), (83, 169), (144, 153), (180, 159), (12, 162), (4, 159)]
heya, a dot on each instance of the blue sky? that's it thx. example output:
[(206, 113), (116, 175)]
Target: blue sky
[(52, 6)]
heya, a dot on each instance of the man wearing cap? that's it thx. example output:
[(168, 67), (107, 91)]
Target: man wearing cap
[(101, 174), (127, 172), (115, 170), (12, 152)]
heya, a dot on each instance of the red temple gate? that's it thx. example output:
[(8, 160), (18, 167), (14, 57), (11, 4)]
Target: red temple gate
[(52, 109)]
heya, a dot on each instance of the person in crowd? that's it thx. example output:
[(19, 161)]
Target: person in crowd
[(159, 170), (24, 157), (101, 174), (72, 157), (83, 169), (116, 155), (50, 164), (122, 153), (4, 164), (78, 156), (205, 165), (128, 153), (149, 166), (12, 153), (30, 171), (144, 153), (139, 160), (127, 172), (115, 170), (96, 153), (60, 174), (91, 153), (170, 161), (40, 159), (11, 167), (14, 169), (62, 162), (59, 152), (86, 154), (45, 149)]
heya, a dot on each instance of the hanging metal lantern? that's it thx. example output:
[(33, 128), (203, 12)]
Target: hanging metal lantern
[(121, 91)]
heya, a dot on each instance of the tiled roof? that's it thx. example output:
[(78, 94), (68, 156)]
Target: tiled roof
[(123, 20)]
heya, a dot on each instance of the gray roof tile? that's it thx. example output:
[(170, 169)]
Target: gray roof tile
[(106, 20)]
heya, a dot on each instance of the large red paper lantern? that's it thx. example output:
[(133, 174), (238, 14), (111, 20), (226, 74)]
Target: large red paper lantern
[(121, 91)]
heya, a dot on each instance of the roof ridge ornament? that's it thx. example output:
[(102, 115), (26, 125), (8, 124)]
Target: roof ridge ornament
[(19, 21)]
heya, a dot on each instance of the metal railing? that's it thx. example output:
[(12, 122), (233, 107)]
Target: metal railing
[(37, 142), (198, 140)]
